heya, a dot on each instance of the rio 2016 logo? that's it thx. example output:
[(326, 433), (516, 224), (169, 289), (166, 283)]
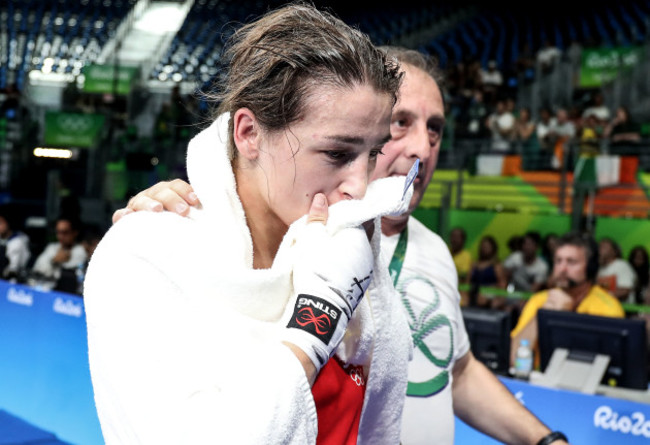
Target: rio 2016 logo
[(635, 424), (428, 323)]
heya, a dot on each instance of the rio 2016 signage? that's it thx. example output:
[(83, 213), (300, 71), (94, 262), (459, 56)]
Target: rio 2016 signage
[(109, 79), (599, 66)]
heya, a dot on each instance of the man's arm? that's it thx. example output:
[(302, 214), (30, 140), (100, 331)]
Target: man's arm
[(43, 263), (483, 402)]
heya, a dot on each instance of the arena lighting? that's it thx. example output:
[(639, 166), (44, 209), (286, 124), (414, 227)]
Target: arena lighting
[(59, 153)]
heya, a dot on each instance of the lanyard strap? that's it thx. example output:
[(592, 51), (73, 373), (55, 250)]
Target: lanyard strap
[(396, 263)]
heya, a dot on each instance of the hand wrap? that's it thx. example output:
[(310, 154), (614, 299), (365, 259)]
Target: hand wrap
[(330, 276)]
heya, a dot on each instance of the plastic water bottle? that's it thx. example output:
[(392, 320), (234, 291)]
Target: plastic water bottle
[(523, 360)]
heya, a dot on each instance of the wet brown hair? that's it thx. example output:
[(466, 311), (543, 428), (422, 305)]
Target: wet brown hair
[(275, 63)]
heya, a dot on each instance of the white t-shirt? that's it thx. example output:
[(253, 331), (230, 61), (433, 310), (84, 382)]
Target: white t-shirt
[(525, 275), (544, 128), (622, 275), (428, 284), (44, 264), (498, 123), (601, 112), (548, 55), (566, 129), (17, 252), (491, 77)]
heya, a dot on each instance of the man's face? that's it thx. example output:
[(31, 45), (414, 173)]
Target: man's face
[(606, 252), (416, 132), (569, 266), (65, 234), (529, 247), (456, 239)]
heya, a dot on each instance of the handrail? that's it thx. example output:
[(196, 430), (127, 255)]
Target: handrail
[(110, 49)]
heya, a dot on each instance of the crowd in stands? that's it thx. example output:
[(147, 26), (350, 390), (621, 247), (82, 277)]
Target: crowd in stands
[(529, 264), (59, 265), (568, 272), (482, 103)]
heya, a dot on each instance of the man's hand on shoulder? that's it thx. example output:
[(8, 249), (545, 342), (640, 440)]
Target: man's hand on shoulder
[(174, 196)]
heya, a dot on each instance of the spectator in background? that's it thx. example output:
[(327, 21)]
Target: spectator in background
[(462, 257), (549, 244), (572, 289), (475, 117), (621, 131), (14, 244), (525, 64), (492, 81), (514, 245), (525, 269), (502, 127), (562, 126), (525, 128), (65, 252), (561, 133), (544, 124), (547, 57), (638, 259), (615, 274), (473, 75), (486, 271), (91, 236), (542, 130), (526, 140), (598, 110), (590, 136)]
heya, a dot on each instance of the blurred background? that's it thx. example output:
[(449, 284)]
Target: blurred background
[(98, 99)]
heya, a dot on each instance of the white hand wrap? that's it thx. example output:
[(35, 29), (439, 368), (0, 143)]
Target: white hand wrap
[(330, 276)]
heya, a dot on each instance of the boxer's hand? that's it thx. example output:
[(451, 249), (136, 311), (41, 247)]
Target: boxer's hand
[(174, 196), (330, 276)]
